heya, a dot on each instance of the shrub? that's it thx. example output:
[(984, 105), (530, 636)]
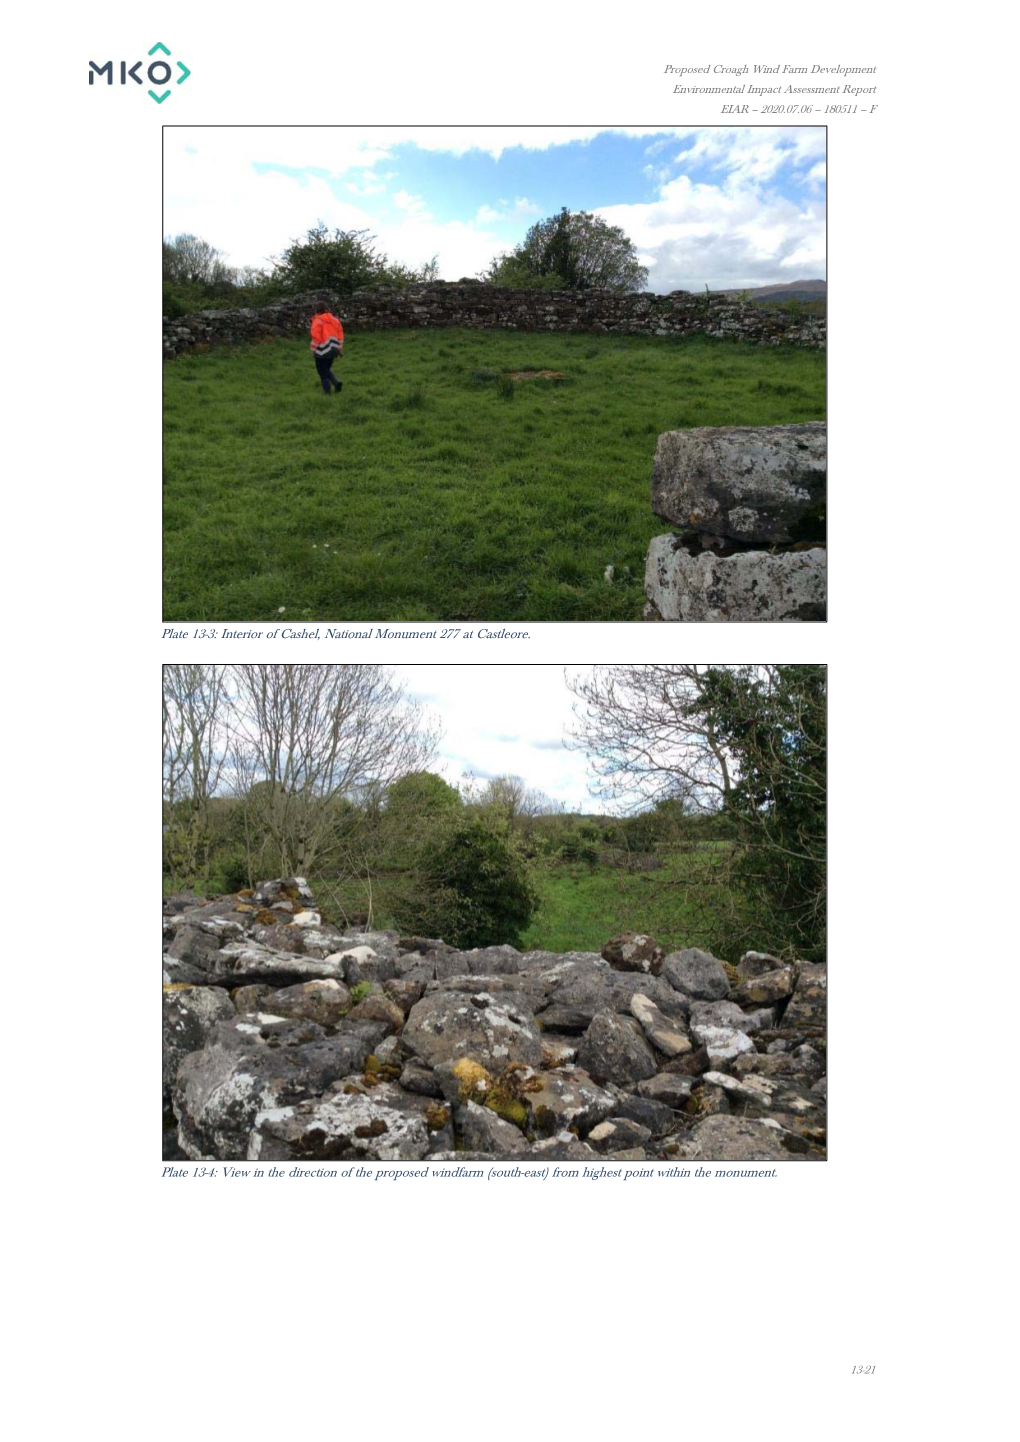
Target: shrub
[(473, 887)]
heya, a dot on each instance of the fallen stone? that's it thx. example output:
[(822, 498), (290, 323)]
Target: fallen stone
[(663, 1034), (722, 1043), (632, 951), (614, 1050), (696, 973)]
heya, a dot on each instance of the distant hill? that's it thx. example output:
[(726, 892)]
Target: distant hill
[(791, 290)]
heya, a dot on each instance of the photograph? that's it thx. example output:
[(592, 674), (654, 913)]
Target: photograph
[(457, 374), (584, 922)]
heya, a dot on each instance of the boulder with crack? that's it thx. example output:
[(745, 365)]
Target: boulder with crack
[(448, 1025)]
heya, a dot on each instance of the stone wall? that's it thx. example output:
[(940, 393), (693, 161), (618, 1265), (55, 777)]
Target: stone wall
[(480, 306), (749, 505), (287, 1039)]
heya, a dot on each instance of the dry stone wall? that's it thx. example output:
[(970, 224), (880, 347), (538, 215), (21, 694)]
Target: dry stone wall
[(481, 306), (285, 1038)]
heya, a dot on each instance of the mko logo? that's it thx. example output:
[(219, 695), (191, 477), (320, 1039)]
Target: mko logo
[(158, 73)]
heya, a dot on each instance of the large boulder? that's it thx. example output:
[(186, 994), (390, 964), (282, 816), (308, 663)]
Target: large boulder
[(343, 1126), (614, 1050), (568, 1100), (326, 1001), (190, 1016), (754, 484), (739, 1139), (697, 974), (241, 1071), (633, 951), (582, 984), (449, 1025), (247, 961), (687, 585)]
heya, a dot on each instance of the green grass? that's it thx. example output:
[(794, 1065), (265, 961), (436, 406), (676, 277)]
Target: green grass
[(430, 488), (684, 903)]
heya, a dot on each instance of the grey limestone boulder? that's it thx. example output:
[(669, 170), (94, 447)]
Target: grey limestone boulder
[(754, 484), (614, 1050), (697, 974), (746, 586), (448, 1025)]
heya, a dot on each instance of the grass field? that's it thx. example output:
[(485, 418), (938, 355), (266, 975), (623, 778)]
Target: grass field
[(434, 488), (683, 903)]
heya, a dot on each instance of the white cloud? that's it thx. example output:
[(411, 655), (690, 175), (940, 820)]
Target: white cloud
[(502, 720), (520, 209), (723, 236), (733, 230)]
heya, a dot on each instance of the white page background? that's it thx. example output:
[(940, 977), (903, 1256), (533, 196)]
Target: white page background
[(151, 1307)]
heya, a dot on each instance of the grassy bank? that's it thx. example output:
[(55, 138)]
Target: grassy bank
[(433, 487)]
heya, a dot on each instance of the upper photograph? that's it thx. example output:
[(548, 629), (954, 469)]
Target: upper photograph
[(494, 374)]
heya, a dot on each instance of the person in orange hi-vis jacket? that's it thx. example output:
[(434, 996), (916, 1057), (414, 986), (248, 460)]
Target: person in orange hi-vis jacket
[(327, 344)]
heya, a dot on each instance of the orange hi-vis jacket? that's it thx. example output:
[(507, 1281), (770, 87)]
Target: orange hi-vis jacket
[(327, 333)]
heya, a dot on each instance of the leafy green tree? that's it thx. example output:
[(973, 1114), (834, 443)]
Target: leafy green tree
[(576, 250), (772, 721), (473, 887), (338, 260)]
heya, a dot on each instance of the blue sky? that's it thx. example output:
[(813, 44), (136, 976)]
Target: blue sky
[(726, 207)]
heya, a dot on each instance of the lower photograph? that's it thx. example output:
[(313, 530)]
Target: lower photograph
[(455, 914)]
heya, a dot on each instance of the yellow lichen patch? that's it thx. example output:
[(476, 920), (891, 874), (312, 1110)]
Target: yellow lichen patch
[(436, 1117), (372, 1064), (243, 906), (246, 891), (178, 986), (473, 1080), (266, 918)]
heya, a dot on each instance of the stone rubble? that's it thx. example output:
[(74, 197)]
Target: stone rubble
[(383, 1048)]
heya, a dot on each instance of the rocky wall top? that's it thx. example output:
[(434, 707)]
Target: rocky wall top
[(481, 306)]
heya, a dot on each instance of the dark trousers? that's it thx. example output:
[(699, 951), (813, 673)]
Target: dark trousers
[(324, 365)]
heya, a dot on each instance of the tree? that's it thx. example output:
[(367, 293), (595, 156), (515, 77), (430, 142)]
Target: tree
[(742, 746), (306, 739), (473, 887), (189, 260), (772, 720), (576, 249), (649, 735), (415, 806), (340, 261), (194, 706)]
